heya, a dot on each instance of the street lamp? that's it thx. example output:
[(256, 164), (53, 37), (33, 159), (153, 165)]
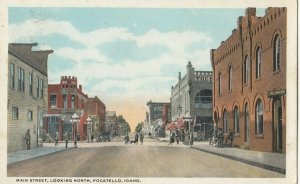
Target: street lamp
[(74, 120), (89, 128), (189, 119)]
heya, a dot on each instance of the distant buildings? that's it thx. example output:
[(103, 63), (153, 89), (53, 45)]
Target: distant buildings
[(157, 116), (249, 86), (111, 123), (27, 93), (96, 110), (193, 95)]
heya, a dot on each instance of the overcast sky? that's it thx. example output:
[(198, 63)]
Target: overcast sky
[(124, 56)]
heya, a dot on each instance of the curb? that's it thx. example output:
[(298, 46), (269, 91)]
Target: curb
[(257, 164), (9, 164)]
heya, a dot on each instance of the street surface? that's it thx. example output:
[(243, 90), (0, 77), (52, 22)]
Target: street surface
[(153, 159)]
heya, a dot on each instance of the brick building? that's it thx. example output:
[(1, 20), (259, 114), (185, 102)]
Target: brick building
[(27, 93), (249, 86), (96, 109), (65, 99), (111, 123)]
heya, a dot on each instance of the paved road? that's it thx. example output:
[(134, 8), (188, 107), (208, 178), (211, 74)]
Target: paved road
[(153, 159)]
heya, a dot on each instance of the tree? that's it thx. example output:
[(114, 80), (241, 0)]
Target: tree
[(124, 126), (139, 127)]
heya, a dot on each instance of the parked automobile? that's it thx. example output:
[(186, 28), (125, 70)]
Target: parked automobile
[(103, 138)]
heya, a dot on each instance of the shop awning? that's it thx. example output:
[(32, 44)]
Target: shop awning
[(170, 126), (180, 123)]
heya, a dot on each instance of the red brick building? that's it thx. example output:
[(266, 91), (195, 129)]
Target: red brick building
[(64, 100), (96, 110), (249, 86)]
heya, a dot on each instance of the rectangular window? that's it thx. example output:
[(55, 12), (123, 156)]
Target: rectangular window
[(29, 116), (12, 75), (41, 88), (30, 84), (65, 100), (52, 101), (15, 113), (21, 79), (38, 88)]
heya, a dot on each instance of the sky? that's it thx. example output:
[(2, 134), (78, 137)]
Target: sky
[(125, 56)]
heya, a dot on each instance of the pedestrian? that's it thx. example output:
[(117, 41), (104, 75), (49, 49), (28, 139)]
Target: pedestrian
[(142, 138), (126, 139), (66, 138), (27, 139), (56, 139), (177, 136), (136, 138), (171, 139), (231, 137), (220, 138)]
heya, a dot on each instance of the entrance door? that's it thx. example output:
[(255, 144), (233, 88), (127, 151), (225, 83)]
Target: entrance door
[(277, 125), (247, 124)]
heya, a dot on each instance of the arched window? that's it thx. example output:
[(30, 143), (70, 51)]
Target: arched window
[(230, 78), (219, 84), (246, 70), (225, 121), (236, 120), (203, 99), (276, 53), (258, 63), (259, 117)]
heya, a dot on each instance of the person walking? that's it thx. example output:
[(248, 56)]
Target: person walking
[(66, 136), (220, 138), (27, 139), (56, 139), (177, 136), (231, 137), (142, 138), (136, 138)]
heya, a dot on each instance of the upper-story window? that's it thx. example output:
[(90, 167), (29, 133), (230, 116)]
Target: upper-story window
[(40, 86), (30, 84), (12, 75), (258, 62), (52, 101), (21, 76), (246, 70), (203, 99), (230, 78), (219, 84), (29, 115), (259, 117), (276, 53)]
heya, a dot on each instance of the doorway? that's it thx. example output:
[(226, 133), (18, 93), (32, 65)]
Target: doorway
[(277, 125)]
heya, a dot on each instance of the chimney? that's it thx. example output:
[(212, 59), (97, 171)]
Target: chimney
[(80, 87), (179, 76)]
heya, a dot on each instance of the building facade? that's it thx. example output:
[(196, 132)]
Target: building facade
[(111, 123), (27, 94), (249, 86), (156, 117), (64, 100), (193, 94), (96, 109)]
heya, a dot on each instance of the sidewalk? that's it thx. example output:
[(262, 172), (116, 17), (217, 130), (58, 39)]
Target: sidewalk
[(272, 161), (47, 149)]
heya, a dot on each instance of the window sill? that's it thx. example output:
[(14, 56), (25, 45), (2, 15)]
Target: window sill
[(236, 135), (276, 72), (258, 79), (259, 136)]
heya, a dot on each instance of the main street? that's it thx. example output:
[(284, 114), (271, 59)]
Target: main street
[(153, 159)]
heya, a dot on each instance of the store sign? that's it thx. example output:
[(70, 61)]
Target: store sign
[(276, 93)]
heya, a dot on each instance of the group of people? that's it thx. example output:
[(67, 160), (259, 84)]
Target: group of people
[(135, 140), (217, 138)]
